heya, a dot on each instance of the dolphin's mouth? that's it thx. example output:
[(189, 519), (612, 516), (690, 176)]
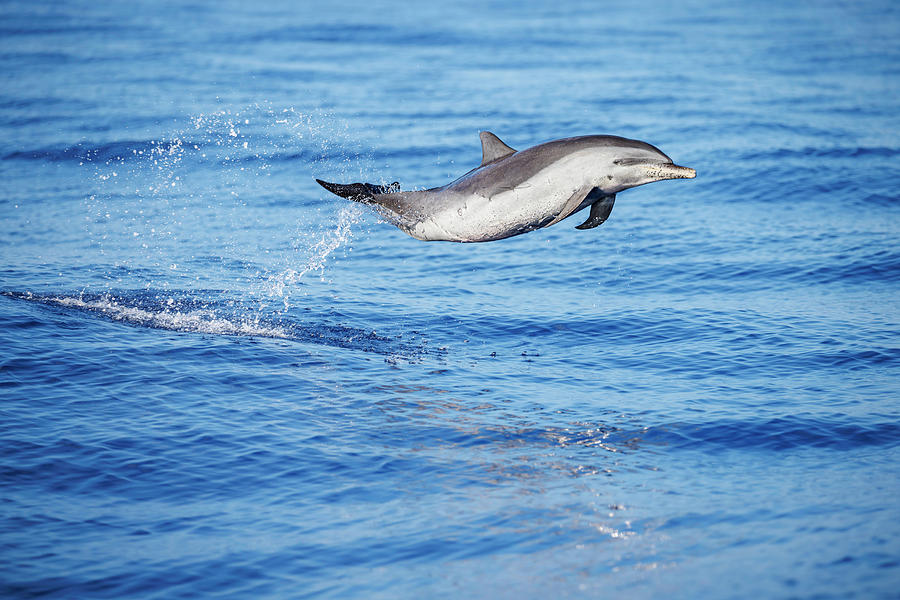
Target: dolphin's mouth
[(669, 171)]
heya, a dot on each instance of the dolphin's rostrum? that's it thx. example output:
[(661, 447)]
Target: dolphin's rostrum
[(515, 192)]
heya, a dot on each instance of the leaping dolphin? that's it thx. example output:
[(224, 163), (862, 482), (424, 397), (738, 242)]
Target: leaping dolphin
[(512, 192)]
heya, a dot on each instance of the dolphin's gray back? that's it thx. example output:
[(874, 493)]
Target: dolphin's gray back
[(511, 171), (487, 180)]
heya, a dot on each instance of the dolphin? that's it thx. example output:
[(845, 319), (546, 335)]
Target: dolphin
[(513, 192)]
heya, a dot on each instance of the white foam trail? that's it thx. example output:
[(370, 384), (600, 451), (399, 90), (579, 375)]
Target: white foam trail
[(195, 321)]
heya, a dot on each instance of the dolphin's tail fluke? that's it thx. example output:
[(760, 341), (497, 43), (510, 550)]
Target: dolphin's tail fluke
[(359, 192)]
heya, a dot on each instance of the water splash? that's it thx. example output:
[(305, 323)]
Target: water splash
[(156, 201), (280, 285)]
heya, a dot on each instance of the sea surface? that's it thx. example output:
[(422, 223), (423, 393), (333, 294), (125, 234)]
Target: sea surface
[(219, 380)]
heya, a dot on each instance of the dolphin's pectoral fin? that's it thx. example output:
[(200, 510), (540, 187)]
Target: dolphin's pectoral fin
[(599, 212), (492, 148), (571, 204), (359, 192)]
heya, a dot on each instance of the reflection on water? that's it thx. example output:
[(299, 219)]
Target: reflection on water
[(521, 470), (484, 427)]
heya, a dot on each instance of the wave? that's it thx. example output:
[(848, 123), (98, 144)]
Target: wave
[(258, 133), (108, 152), (878, 267), (774, 434), (823, 152), (781, 433), (370, 34), (24, 28), (259, 149), (617, 436), (188, 313)]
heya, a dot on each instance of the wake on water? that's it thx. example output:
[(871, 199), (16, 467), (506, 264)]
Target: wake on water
[(186, 313), (160, 312), (151, 198)]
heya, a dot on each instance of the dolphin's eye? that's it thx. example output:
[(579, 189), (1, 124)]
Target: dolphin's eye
[(625, 162)]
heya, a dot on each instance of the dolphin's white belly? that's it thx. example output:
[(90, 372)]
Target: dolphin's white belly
[(531, 204)]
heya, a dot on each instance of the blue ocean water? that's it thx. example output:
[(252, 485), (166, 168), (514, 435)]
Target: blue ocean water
[(220, 380)]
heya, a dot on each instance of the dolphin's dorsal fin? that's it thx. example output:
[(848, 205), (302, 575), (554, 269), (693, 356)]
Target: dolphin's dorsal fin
[(493, 148)]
